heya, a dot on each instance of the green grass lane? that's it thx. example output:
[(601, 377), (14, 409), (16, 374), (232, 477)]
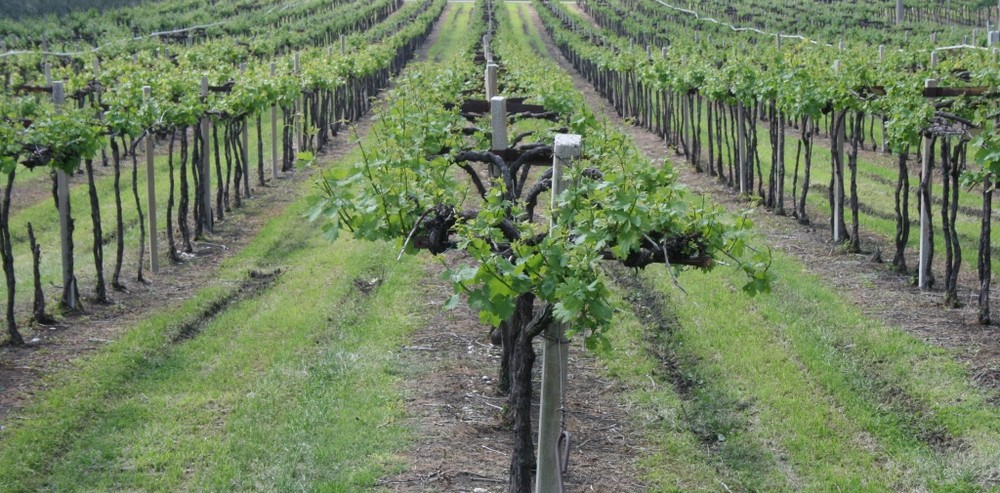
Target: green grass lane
[(265, 396), (293, 385), (797, 391)]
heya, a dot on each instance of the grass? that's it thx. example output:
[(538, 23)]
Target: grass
[(294, 387), (454, 30), (265, 397), (795, 391)]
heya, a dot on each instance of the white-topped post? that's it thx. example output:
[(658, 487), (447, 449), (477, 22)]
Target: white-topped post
[(62, 195), (274, 131), (206, 168), (555, 353), (154, 255), (924, 270), (498, 122), (491, 80)]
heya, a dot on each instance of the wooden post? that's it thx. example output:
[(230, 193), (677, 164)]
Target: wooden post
[(491, 80), (274, 132), (498, 122), (154, 256), (206, 168), (555, 353), (923, 276), (62, 195)]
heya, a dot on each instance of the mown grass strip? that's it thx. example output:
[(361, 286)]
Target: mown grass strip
[(797, 391), (292, 388)]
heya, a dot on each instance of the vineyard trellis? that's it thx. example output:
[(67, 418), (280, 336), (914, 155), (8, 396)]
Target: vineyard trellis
[(677, 94), (153, 96)]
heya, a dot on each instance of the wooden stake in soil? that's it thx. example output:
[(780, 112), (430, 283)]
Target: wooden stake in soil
[(62, 194), (555, 355), (154, 256), (923, 276)]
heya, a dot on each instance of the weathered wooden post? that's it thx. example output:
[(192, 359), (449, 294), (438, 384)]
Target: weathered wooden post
[(924, 271), (555, 354), (154, 255), (491, 80), (207, 220), (62, 195), (274, 132)]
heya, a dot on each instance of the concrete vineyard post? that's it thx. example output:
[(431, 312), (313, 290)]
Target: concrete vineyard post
[(923, 276), (206, 169), (491, 80), (498, 122), (741, 143), (154, 257), (993, 39), (274, 132), (62, 194), (246, 145), (899, 12), (47, 69), (299, 108), (343, 45), (555, 354), (838, 170), (885, 140)]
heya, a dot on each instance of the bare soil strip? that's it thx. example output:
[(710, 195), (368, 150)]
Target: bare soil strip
[(462, 442)]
